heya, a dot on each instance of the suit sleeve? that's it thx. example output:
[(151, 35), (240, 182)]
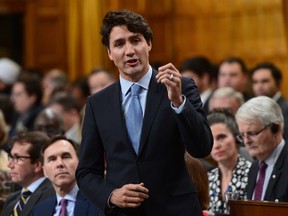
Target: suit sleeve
[(193, 126), (91, 167)]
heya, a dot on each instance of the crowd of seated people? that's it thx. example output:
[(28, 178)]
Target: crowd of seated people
[(30, 104)]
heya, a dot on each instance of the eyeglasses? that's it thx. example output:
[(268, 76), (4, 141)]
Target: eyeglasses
[(250, 134), (15, 158)]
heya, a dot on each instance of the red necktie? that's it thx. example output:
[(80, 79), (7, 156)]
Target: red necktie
[(260, 182)]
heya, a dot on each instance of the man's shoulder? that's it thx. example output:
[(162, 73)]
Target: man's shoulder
[(45, 206)]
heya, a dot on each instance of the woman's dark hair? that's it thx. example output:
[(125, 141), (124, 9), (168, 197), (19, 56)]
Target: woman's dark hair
[(224, 116)]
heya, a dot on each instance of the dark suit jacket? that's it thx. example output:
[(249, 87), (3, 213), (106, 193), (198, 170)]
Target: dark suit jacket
[(278, 184), (44, 191), (283, 103), (160, 162), (82, 207)]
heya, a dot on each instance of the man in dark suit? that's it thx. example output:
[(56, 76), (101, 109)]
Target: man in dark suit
[(200, 69), (26, 170), (145, 174), (266, 81), (261, 126), (59, 165)]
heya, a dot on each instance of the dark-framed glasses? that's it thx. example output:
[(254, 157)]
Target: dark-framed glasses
[(15, 158), (250, 134)]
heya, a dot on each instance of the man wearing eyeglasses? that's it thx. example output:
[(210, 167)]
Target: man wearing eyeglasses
[(261, 124), (26, 170)]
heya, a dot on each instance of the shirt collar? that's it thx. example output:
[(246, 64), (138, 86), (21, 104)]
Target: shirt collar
[(71, 196), (32, 187), (271, 160), (143, 82)]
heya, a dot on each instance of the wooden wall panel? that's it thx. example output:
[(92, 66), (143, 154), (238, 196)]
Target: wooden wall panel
[(254, 30), (46, 34)]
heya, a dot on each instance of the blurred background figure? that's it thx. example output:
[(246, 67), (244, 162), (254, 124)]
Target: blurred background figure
[(4, 176), (266, 81), (199, 176), (26, 98), (54, 80), (6, 107), (99, 79), (200, 69), (9, 71), (233, 73), (68, 107), (226, 97), (231, 175), (49, 122)]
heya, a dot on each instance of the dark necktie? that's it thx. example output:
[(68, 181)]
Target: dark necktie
[(22, 202), (134, 117), (260, 182), (63, 210)]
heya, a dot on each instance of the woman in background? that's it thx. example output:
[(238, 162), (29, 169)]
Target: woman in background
[(231, 175)]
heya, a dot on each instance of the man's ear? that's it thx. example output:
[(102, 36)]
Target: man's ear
[(38, 166), (44, 171), (109, 54)]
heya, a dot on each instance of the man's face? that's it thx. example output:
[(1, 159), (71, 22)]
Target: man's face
[(23, 172), (130, 53), (60, 163), (190, 74), (263, 83), (231, 75), (21, 100), (224, 102), (262, 143)]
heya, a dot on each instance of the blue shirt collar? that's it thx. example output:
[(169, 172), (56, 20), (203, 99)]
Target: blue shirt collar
[(143, 82)]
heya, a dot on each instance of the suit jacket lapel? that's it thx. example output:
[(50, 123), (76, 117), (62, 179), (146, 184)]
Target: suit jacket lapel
[(81, 205), (276, 173), (153, 101), (35, 197), (252, 177)]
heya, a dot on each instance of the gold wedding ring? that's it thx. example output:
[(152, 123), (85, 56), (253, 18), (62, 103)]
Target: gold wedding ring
[(171, 77)]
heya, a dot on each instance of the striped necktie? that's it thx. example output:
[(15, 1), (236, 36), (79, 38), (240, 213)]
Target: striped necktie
[(22, 202)]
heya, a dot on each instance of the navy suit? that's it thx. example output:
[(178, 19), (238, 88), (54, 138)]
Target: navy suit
[(44, 191), (82, 207), (160, 162), (278, 184)]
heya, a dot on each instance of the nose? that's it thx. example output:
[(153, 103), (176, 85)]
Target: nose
[(10, 163), (60, 162), (129, 49)]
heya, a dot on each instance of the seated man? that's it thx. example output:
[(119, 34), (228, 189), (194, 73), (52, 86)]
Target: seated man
[(261, 123), (60, 162), (26, 170)]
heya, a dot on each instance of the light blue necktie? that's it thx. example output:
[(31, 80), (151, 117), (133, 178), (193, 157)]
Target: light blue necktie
[(134, 117)]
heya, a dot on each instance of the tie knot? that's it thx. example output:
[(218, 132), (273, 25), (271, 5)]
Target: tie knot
[(135, 90), (263, 166), (63, 202), (26, 193)]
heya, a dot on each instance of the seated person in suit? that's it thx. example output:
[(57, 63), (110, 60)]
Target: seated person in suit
[(266, 81), (232, 171), (200, 69), (49, 122), (60, 162), (26, 170), (261, 124)]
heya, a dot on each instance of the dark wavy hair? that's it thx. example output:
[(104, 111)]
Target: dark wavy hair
[(134, 22)]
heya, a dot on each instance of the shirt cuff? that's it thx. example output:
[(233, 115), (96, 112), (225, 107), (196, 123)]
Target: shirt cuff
[(181, 107)]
